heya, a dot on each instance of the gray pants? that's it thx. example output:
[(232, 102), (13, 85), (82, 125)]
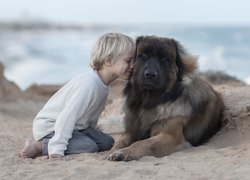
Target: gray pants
[(85, 141)]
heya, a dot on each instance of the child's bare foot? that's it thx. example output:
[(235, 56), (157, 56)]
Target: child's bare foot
[(31, 149)]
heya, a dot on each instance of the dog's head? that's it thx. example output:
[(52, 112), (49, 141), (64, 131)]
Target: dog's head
[(160, 63)]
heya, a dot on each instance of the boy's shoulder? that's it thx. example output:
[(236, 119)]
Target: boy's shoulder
[(87, 78), (87, 82)]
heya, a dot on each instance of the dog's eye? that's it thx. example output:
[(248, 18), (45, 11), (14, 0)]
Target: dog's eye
[(142, 55), (165, 59)]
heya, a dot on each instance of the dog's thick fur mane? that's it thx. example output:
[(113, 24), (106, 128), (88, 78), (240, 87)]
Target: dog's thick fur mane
[(187, 65)]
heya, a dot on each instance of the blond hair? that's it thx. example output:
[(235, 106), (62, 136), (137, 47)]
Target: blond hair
[(110, 46)]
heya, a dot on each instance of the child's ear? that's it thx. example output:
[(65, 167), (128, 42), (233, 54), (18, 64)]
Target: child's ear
[(107, 61)]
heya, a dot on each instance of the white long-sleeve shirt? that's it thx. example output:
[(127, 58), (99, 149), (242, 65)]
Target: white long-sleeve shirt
[(77, 105)]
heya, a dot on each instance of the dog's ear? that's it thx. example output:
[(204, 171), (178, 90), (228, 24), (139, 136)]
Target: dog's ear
[(138, 39), (179, 50), (186, 63)]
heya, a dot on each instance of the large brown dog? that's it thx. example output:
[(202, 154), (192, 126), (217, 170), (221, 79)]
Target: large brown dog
[(167, 104)]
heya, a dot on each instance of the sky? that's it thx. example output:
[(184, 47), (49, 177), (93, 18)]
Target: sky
[(213, 12)]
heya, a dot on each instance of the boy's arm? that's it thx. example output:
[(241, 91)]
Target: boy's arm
[(79, 98)]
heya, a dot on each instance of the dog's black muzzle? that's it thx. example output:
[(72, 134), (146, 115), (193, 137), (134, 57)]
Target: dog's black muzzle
[(150, 74)]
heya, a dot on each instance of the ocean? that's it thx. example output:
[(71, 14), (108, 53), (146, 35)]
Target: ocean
[(54, 55)]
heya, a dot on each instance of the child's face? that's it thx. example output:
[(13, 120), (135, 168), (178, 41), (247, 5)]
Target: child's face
[(123, 66)]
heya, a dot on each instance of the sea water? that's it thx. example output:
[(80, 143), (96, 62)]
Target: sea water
[(53, 56)]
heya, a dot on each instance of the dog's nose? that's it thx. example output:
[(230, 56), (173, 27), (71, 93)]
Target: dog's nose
[(150, 74)]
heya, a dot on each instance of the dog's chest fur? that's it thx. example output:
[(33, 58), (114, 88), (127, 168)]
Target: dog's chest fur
[(143, 118)]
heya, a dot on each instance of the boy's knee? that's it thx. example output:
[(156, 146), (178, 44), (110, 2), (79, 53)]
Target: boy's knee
[(93, 148), (85, 145), (107, 144)]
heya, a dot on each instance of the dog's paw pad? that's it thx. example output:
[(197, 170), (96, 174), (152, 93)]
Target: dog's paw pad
[(119, 156)]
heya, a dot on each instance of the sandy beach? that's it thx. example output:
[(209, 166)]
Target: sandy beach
[(225, 156)]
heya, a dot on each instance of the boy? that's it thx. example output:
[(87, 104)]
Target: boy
[(67, 122)]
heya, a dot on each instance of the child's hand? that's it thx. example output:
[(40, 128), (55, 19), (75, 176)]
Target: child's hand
[(55, 156), (52, 156)]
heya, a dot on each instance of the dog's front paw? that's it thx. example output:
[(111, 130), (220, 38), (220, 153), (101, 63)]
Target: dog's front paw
[(119, 156)]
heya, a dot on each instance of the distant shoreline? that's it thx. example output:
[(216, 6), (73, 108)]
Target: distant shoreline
[(40, 25), (46, 25)]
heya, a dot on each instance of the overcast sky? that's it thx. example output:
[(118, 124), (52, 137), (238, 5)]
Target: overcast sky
[(218, 12)]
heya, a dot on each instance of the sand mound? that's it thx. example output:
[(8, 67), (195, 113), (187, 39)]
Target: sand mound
[(43, 90), (8, 89)]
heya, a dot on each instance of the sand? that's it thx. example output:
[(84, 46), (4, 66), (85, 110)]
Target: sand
[(225, 156)]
